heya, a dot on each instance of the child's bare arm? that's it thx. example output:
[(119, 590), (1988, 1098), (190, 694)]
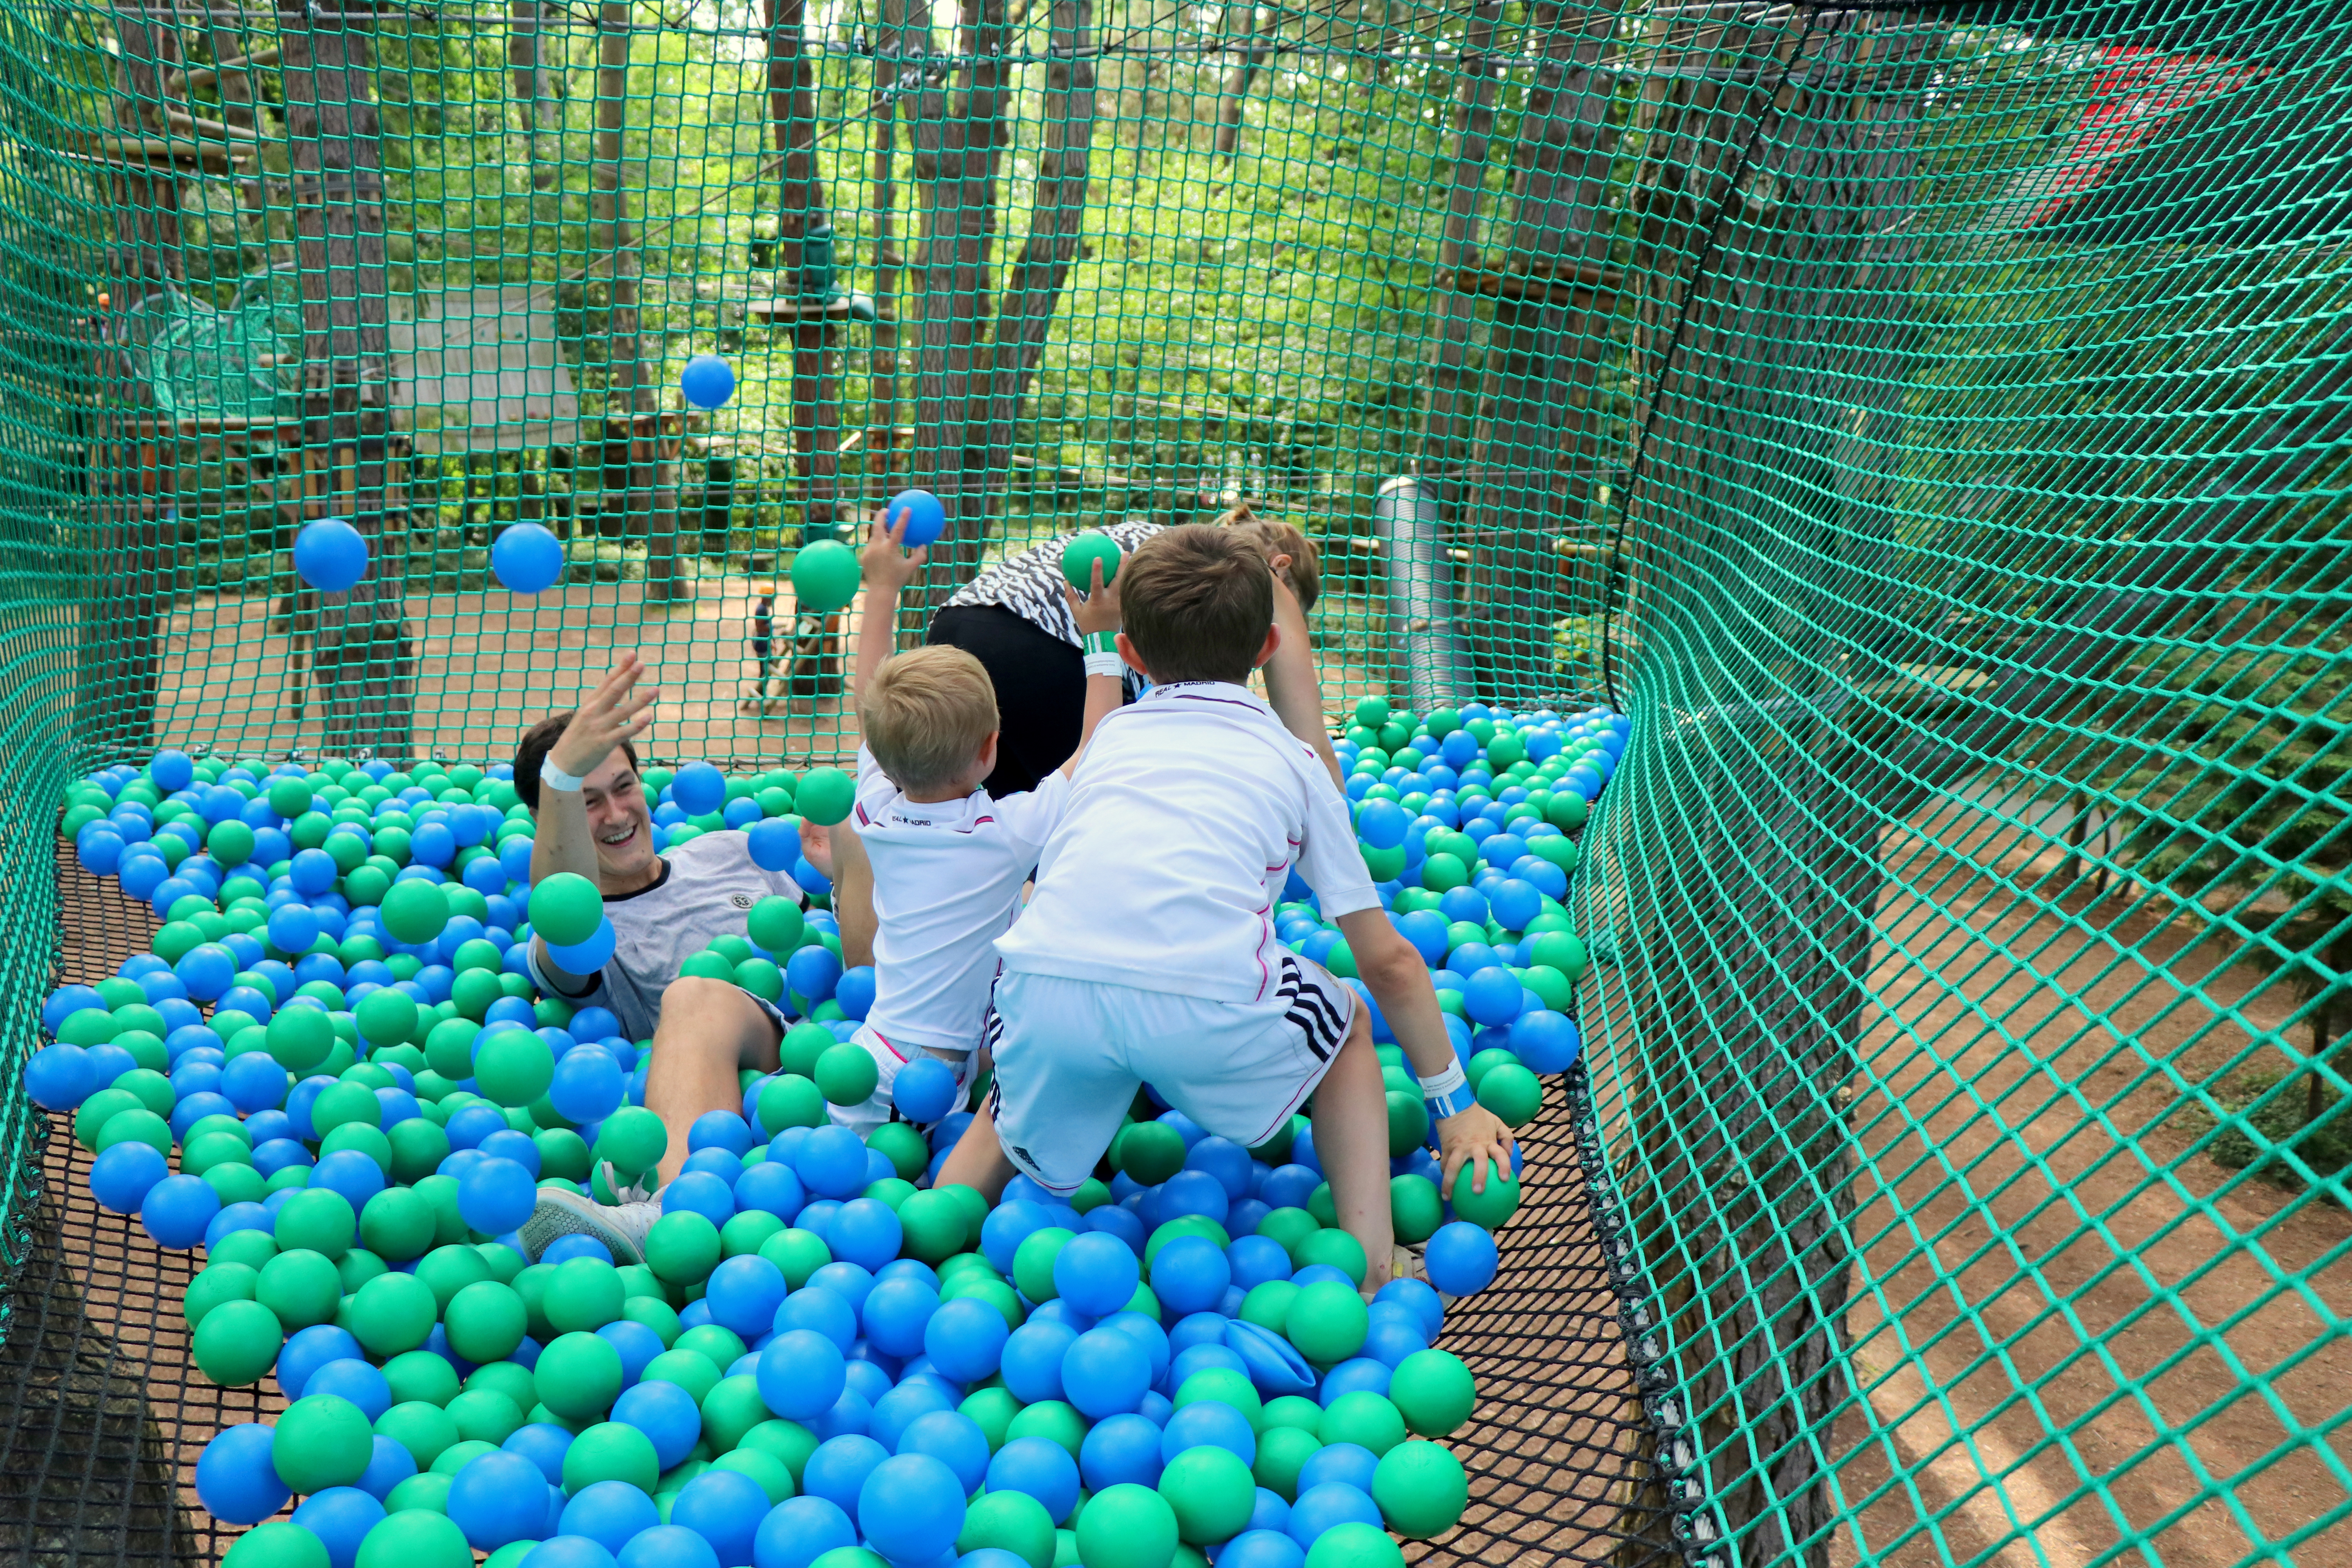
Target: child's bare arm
[(1293, 688), (1097, 613), (886, 569), (1399, 982)]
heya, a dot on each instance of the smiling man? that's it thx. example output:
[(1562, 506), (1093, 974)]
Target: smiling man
[(577, 773)]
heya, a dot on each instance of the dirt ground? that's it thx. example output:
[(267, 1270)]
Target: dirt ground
[(2043, 1254)]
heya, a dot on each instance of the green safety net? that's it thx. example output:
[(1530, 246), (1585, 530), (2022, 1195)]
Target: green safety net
[(1929, 423)]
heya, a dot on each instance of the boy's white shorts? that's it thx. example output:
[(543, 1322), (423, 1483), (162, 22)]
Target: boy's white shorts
[(878, 1107), (1069, 1054)]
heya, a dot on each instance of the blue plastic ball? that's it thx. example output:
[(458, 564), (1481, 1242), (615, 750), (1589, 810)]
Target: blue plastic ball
[(340, 1518), (771, 1187), (910, 1507), (349, 1377), (1334, 1502), (1096, 1274), (235, 1480), (839, 1467), (924, 1090), (897, 1313), (799, 1531), (1351, 1464), (812, 972), (965, 1338), (832, 1161), (496, 1498), (699, 789), (708, 382), (820, 1310), (392, 1464), (60, 1077), (569, 1551), (122, 1177), (1106, 1372), (588, 1086), (926, 518), (1123, 1448), (1417, 1295), (1462, 1258), (1192, 1274), (495, 1197), (667, 1546), (1493, 997), (331, 555), (1546, 1041), (865, 1232), (1033, 1360), (724, 1508), (1208, 1421), (544, 1445), (853, 993), (581, 958), (610, 1513), (527, 559), (177, 1210), (774, 843)]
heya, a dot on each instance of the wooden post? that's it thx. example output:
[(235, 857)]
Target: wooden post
[(1448, 416), (800, 212), (362, 662), (889, 60), (534, 88)]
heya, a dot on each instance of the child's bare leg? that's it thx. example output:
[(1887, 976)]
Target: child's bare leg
[(978, 1159), (1351, 1140)]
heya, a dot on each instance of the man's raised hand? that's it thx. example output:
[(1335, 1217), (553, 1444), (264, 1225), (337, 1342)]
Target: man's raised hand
[(614, 713)]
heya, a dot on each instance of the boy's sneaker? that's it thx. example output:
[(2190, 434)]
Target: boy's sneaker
[(622, 1228)]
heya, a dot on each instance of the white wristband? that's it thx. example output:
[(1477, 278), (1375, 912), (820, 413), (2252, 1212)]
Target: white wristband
[(1448, 1092), (556, 778), (1108, 664)]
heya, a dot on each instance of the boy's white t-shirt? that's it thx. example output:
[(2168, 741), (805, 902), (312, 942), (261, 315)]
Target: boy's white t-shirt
[(1185, 817), (947, 880)]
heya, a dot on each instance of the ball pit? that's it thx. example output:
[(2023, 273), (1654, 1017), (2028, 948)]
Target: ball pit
[(331, 1072)]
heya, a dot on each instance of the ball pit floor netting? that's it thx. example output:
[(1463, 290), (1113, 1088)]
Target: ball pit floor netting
[(102, 1415)]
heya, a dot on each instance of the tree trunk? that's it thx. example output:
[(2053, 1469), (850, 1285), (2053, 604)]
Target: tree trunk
[(800, 212), (1542, 433), (534, 88), (649, 493), (1025, 316), (362, 661), (1449, 414), (1233, 98), (889, 60), (959, 143), (120, 653)]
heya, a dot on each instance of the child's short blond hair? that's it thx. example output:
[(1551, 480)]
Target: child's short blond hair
[(927, 714)]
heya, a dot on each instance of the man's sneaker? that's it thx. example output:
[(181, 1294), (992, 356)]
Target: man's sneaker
[(622, 1228)]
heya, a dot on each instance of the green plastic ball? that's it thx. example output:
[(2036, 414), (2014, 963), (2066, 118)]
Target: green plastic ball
[(824, 579), (846, 1074), (787, 1442), (300, 1037), (428, 1493), (688, 1368), (1150, 1152), (214, 1285), (1281, 1452), (445, 1270), (633, 1139), (1328, 1321), (1079, 556), (800, 1252), (934, 1228), (1012, 1521), (566, 909), (792, 1100), (1337, 1248), (513, 1068), (775, 1477), (1052, 1419), (1128, 1526), (391, 1313), (776, 924), (1210, 1492), (300, 1288), (413, 1538), (903, 1147), (1512, 1092), (485, 1415), (610, 1451), (421, 1427), (801, 1047), (731, 1409), (683, 1247), (486, 1321), (237, 1342), (585, 1294), (420, 1375), (825, 795), (396, 1223), (1226, 1387), (1354, 1544), (1364, 1418), (1492, 1207), (1032, 1262), (1434, 1391), (277, 1544), (322, 1441), (1414, 1208), (579, 1375), (416, 911)]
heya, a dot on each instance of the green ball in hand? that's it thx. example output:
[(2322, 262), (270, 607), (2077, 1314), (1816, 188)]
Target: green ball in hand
[(1079, 556), (825, 798)]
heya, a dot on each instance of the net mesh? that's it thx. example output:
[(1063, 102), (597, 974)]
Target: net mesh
[(1928, 421)]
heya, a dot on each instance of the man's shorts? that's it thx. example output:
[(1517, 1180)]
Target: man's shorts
[(878, 1107), (1070, 1054)]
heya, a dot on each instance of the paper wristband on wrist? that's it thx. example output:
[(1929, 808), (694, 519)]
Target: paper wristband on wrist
[(1108, 664), (556, 778), (1448, 1092), (1100, 642)]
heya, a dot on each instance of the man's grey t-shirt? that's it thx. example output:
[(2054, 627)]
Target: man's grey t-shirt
[(706, 889)]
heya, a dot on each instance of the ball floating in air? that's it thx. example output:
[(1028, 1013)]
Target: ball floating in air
[(708, 382), (331, 555), (824, 576), (926, 518), (527, 559), (698, 788)]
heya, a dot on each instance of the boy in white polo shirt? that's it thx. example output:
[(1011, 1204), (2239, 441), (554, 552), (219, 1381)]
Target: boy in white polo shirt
[(1147, 954), (946, 859)]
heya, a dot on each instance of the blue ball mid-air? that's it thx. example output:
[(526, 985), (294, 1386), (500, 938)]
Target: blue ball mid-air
[(331, 555), (926, 518), (708, 382), (527, 559)]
